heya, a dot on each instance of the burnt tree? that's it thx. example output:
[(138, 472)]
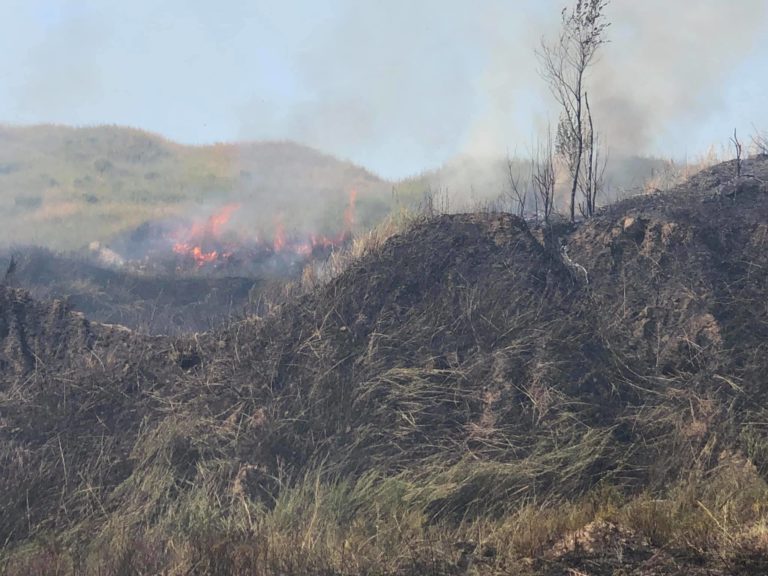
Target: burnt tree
[(564, 62)]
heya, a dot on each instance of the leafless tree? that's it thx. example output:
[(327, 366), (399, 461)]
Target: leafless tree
[(592, 176), (564, 63), (519, 188), (543, 177), (760, 142), (737, 146)]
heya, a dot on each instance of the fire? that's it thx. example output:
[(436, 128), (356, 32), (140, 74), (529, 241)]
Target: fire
[(203, 257), (218, 220), (203, 241), (316, 242), (279, 241), (196, 252), (204, 233), (349, 212), (212, 226)]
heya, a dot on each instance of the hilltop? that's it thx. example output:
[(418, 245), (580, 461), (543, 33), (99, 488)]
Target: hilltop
[(63, 187), (458, 393)]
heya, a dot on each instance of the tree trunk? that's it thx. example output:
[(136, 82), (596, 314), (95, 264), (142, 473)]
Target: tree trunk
[(579, 153), (591, 187)]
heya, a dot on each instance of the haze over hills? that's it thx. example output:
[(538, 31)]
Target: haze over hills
[(64, 187)]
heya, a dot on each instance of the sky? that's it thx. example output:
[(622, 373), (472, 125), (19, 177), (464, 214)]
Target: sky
[(398, 86)]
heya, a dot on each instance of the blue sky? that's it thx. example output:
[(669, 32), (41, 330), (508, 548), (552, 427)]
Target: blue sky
[(398, 86)]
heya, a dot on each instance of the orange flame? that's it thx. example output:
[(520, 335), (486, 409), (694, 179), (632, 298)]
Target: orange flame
[(218, 220), (279, 241), (349, 211), (202, 243), (203, 257), (201, 232)]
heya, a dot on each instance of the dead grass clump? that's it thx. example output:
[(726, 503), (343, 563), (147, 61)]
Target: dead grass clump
[(676, 173), (760, 142), (368, 243)]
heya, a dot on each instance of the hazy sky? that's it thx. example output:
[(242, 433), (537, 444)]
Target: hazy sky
[(398, 86)]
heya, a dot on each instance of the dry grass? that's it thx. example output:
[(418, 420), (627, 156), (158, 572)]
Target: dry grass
[(381, 525), (363, 244), (676, 173)]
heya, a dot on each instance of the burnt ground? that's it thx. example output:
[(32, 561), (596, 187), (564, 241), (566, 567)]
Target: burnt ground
[(161, 302), (465, 346)]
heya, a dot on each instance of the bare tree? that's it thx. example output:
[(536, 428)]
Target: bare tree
[(760, 141), (543, 177), (564, 63), (518, 188), (592, 176), (737, 146)]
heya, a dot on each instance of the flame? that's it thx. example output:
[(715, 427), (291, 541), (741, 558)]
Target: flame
[(316, 242), (203, 257), (202, 241), (215, 222), (218, 220), (279, 241), (202, 233), (349, 211)]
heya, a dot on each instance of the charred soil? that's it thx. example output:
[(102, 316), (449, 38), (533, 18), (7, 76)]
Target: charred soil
[(166, 302)]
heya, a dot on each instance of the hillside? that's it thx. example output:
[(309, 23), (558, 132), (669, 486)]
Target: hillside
[(459, 394), (64, 187)]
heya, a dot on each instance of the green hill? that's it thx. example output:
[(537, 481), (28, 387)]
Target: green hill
[(63, 187)]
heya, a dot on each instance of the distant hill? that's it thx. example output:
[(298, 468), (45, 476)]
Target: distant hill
[(64, 187)]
